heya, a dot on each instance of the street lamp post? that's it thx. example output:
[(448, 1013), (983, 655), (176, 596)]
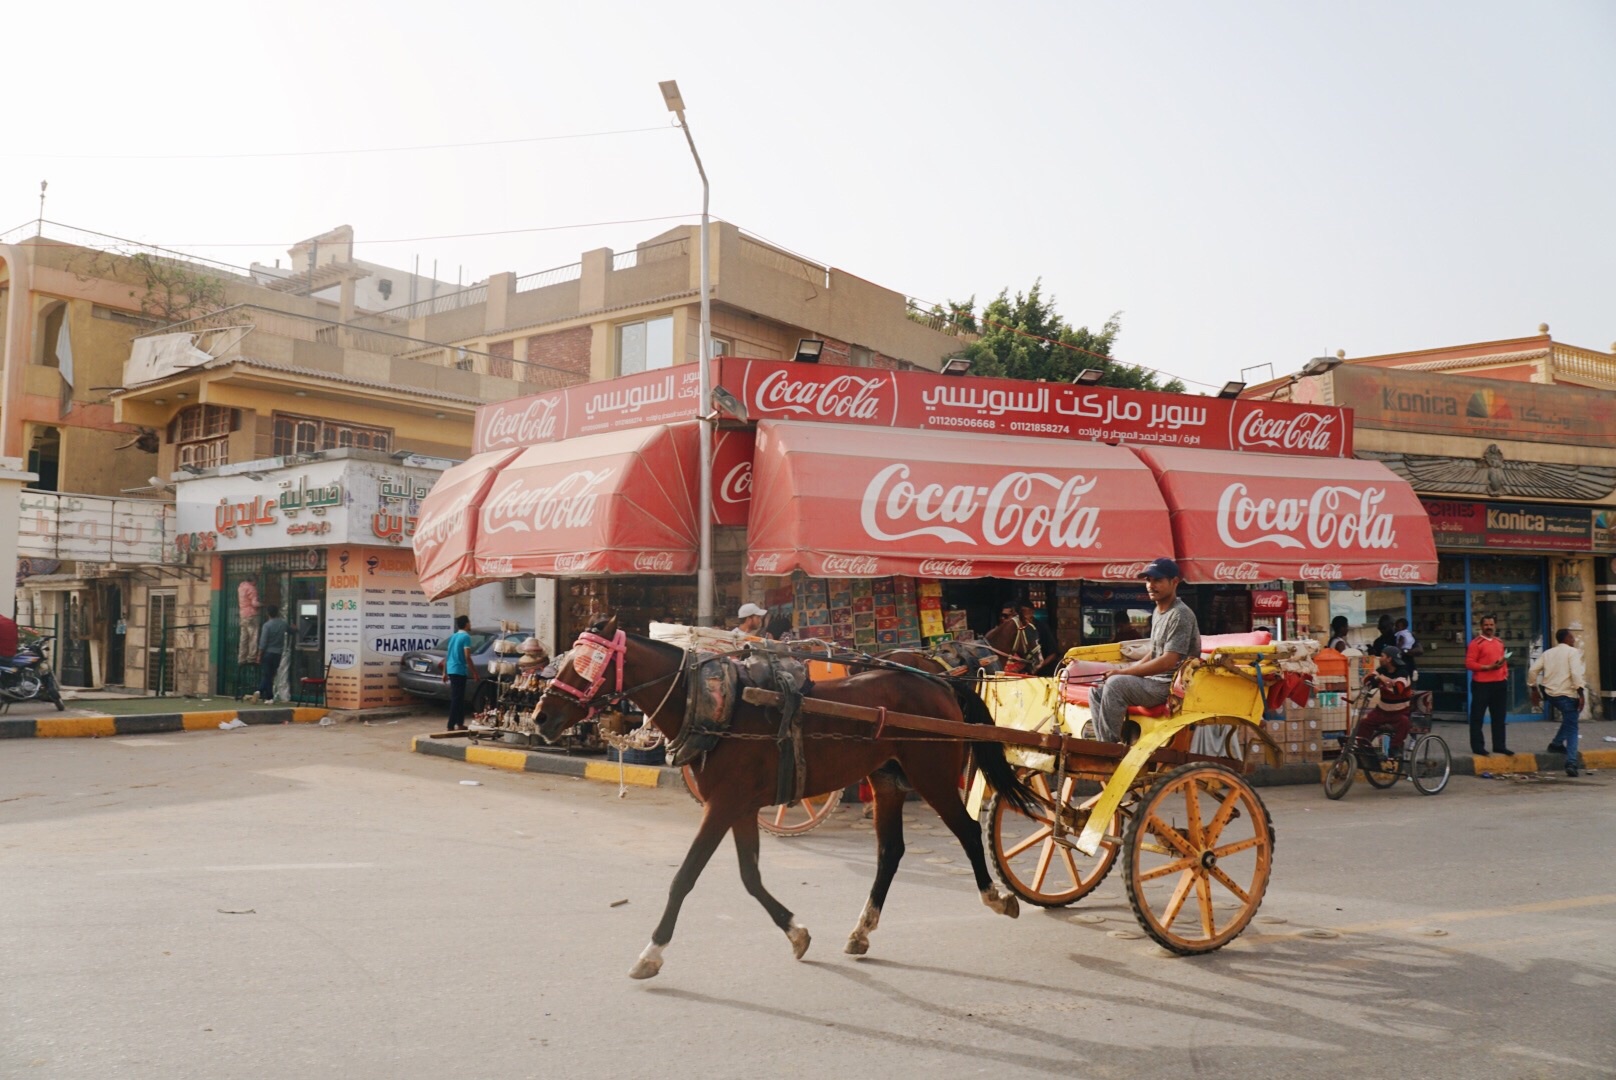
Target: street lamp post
[(704, 565)]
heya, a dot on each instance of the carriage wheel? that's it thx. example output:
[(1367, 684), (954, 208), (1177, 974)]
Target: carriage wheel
[(782, 820), (1200, 848), (1025, 855), (1430, 764), (1338, 780)]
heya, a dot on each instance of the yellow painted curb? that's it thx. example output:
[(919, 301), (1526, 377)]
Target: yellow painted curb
[(1506, 763), (75, 727), (203, 721), (1599, 759), (638, 775), (500, 759)]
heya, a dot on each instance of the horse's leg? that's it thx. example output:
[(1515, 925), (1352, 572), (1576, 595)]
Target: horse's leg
[(888, 851), (715, 821), (936, 778), (745, 831)]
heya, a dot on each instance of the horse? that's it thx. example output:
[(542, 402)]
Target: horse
[(737, 777), (1007, 647)]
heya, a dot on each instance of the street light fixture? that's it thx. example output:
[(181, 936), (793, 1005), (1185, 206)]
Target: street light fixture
[(955, 365), (1321, 364), (808, 350), (1232, 389), (1089, 376), (704, 562)]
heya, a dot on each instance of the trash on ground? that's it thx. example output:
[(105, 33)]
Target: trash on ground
[(618, 903), (471, 783), (377, 723), (232, 725), (1610, 738), (236, 911), (326, 721)]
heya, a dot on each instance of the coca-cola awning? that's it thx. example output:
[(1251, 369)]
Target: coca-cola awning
[(1261, 517), (445, 529), (839, 501)]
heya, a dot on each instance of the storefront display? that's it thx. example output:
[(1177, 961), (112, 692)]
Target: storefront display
[(637, 601)]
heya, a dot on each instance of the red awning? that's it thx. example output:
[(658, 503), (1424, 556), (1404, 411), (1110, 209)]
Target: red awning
[(839, 501), (1261, 517), (622, 502), (445, 537)]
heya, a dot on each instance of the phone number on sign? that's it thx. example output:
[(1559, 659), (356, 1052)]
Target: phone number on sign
[(962, 421)]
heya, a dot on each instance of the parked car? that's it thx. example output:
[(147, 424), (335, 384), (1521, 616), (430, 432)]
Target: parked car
[(421, 672)]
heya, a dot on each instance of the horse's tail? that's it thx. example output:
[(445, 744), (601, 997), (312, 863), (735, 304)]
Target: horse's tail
[(989, 755)]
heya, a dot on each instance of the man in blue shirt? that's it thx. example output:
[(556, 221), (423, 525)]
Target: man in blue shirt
[(457, 667), (271, 647)]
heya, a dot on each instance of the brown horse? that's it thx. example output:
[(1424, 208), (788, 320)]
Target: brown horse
[(737, 778)]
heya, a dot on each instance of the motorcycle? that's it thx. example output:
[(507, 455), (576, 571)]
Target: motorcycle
[(28, 677)]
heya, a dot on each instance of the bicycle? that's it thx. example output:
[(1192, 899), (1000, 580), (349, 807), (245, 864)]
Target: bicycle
[(1424, 759)]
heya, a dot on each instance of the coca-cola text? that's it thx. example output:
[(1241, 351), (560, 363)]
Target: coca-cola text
[(1335, 516), (944, 568), (1310, 431), (537, 423), (569, 503), (1032, 509), (841, 397)]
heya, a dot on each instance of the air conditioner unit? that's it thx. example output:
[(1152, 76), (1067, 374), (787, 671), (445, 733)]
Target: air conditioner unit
[(521, 588)]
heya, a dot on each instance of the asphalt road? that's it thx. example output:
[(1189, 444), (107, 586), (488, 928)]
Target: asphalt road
[(313, 902)]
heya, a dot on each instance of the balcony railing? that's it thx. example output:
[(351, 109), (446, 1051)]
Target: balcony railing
[(438, 305), (1584, 364), (761, 251), (640, 256), (72, 236), (556, 275)]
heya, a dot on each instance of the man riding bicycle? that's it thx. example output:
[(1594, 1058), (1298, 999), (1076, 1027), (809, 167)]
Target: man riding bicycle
[(1395, 682)]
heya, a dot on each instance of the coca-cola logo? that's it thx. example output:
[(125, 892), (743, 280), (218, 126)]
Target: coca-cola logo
[(842, 397), (1040, 570), (1244, 571), (1311, 431), (1330, 571), (572, 562), (438, 523), (1030, 509), (851, 565), (766, 564), (654, 562), (569, 503), (736, 486), (1335, 516), (1403, 572), (497, 564), (944, 568), (534, 424), (1122, 570)]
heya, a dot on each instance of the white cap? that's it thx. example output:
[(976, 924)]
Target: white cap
[(748, 610)]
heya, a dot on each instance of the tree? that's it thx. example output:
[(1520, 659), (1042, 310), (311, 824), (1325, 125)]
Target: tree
[(1024, 337)]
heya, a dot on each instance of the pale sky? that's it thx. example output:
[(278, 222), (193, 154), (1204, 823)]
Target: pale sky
[(1248, 183)]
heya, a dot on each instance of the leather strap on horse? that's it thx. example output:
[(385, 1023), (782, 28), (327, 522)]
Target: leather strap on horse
[(792, 777)]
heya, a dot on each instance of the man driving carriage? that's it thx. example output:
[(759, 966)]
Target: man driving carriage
[(1175, 635), (1395, 682)]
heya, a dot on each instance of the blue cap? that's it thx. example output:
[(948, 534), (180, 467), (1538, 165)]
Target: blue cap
[(1161, 568)]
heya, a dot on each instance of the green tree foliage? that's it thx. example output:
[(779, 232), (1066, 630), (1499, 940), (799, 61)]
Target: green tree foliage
[(1024, 337)]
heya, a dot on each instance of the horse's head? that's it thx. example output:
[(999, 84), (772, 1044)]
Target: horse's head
[(586, 675), (1014, 640)]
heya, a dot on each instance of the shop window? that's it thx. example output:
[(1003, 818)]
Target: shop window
[(645, 346), (1450, 569), (1504, 570), (201, 435), (306, 434)]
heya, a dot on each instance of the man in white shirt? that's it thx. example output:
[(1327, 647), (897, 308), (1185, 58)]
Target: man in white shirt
[(1558, 674), (751, 616)]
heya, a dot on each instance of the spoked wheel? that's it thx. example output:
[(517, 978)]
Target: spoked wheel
[(1430, 764), (1338, 780), (1026, 856), (783, 820), (1199, 849), (1384, 773)]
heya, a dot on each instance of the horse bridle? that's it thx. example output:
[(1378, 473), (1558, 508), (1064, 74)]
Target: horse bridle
[(602, 654)]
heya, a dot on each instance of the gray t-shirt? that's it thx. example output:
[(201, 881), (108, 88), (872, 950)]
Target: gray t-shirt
[(272, 636), (1174, 631)]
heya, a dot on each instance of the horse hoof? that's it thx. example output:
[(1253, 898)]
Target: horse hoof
[(645, 969), (857, 946), (1002, 903), (798, 936)]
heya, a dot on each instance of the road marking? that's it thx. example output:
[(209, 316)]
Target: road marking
[(75, 727), (1566, 904), (247, 867)]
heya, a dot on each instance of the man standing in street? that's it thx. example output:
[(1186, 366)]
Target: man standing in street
[(1558, 674), (1175, 636), (1489, 685), (1047, 649), (457, 668), (271, 647)]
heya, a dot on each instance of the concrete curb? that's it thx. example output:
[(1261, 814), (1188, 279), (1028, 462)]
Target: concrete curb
[(96, 727), (538, 761)]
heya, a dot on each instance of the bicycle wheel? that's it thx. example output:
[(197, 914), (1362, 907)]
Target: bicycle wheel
[(1338, 780), (1025, 855), (1383, 772), (1430, 764)]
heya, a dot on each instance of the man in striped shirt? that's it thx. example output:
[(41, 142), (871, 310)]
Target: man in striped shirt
[(1396, 685)]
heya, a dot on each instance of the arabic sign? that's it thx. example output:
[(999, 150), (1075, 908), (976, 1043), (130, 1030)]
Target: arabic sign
[(1485, 408), (93, 528), (652, 397), (913, 399), (1510, 526), (375, 611), (844, 503), (1251, 518), (327, 502)]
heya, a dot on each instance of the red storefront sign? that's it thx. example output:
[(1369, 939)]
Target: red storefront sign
[(1270, 602), (1258, 517), (732, 475), (653, 397), (1510, 526), (848, 503), (774, 390)]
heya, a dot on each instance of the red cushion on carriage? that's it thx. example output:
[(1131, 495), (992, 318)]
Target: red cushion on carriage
[(1235, 641), (1078, 694)]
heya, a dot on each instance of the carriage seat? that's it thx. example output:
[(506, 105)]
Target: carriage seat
[(1077, 692)]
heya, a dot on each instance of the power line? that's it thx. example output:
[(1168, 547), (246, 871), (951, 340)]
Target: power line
[(335, 153), (449, 236)]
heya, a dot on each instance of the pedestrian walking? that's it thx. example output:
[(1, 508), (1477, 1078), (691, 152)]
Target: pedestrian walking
[(457, 668), (271, 647), (1558, 674), (1489, 685)]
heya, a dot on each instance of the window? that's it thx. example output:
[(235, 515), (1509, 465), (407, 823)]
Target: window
[(202, 435), (645, 346), (160, 623), (858, 356), (719, 347), (306, 434)]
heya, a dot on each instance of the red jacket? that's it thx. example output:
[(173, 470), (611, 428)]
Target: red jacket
[(1481, 653)]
